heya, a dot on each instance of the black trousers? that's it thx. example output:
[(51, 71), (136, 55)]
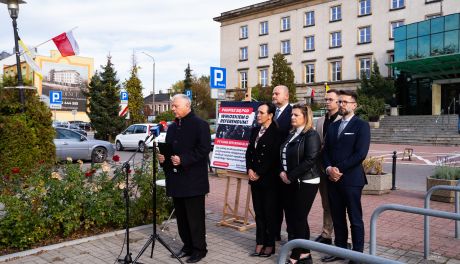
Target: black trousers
[(343, 200), (190, 215), (264, 199), (297, 200)]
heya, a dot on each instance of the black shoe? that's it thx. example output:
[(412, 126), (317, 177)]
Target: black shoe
[(307, 260), (321, 239), (331, 258), (255, 253), (265, 254), (181, 254), (195, 258)]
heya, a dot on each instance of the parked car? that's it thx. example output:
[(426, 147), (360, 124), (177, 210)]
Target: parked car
[(76, 146), (134, 137), (77, 129)]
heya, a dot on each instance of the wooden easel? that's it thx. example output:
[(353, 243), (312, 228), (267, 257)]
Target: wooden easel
[(230, 215)]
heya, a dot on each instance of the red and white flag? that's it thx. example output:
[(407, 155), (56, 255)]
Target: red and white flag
[(66, 44)]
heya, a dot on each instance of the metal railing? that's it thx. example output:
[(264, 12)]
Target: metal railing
[(331, 250), (426, 233), (407, 209)]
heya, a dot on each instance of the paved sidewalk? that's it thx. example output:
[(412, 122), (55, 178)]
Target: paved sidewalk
[(399, 236)]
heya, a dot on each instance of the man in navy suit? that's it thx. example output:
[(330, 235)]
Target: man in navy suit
[(346, 146), (280, 98)]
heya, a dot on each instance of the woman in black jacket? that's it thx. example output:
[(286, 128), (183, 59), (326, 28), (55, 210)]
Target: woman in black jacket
[(262, 165), (300, 176)]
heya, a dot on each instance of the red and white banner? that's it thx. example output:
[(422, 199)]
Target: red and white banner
[(66, 44), (123, 110)]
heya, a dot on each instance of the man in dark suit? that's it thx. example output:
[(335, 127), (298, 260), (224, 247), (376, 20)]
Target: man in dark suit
[(187, 176), (346, 146), (280, 98)]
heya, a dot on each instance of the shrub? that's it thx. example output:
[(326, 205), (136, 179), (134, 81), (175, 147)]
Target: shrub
[(447, 173), (373, 166)]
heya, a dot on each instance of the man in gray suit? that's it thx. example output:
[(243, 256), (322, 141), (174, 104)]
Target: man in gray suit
[(332, 115)]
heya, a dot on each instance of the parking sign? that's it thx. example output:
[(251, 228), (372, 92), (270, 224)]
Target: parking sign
[(218, 78), (188, 92), (124, 96), (55, 99)]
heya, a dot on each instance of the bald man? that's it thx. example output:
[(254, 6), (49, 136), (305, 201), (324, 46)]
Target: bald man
[(280, 97), (187, 176)]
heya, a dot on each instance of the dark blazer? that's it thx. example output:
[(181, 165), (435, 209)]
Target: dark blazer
[(191, 141), (302, 155), (348, 151), (264, 159), (284, 122)]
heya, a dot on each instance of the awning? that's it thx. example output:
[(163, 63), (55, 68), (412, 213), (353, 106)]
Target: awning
[(436, 67)]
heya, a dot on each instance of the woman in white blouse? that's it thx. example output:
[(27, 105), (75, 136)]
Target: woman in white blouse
[(299, 156)]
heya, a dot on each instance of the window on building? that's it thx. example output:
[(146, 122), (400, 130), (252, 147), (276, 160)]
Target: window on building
[(263, 77), (309, 73), (244, 32), (285, 23), (336, 39), (309, 43), (336, 13), (395, 4), (364, 7), (393, 25), (309, 18), (365, 35), (263, 28), (365, 65), (263, 50), (243, 53), (243, 79), (430, 16), (336, 71), (391, 71), (286, 47)]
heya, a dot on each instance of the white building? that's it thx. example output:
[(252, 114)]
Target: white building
[(329, 41)]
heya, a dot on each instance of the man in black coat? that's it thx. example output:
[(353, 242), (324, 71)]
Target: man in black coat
[(186, 172), (280, 98)]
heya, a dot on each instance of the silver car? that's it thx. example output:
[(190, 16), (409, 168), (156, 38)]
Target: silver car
[(76, 146)]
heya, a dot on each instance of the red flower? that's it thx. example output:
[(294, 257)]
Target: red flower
[(15, 170), (88, 174), (116, 158), (129, 171), (41, 161)]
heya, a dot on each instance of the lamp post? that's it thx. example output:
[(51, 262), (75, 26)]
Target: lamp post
[(13, 9), (153, 84)]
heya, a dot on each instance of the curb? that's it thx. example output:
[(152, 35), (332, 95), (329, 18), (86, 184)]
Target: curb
[(68, 243)]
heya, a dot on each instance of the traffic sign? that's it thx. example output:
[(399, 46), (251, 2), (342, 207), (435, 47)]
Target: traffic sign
[(124, 96), (55, 99), (188, 92), (218, 78)]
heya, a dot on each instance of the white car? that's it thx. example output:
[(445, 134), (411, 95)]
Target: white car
[(134, 137)]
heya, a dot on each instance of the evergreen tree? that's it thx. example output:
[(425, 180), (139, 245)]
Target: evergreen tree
[(188, 78), (104, 103), (261, 94), (136, 100), (283, 75)]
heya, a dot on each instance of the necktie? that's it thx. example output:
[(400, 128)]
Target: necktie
[(342, 126), (277, 113)]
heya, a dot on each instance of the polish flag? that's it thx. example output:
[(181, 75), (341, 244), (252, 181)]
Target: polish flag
[(66, 44)]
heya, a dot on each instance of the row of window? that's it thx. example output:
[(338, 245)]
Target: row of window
[(335, 14), (335, 41), (364, 65)]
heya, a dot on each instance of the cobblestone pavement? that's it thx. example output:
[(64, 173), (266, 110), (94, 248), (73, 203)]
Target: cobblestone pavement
[(399, 236)]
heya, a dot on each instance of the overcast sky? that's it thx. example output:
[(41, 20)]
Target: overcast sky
[(174, 32)]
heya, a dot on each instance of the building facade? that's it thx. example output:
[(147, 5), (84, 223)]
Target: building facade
[(324, 41)]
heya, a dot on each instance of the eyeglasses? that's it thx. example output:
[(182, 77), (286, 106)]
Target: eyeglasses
[(345, 102), (329, 100)]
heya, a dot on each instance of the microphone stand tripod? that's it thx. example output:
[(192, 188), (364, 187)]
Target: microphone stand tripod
[(125, 167), (155, 235)]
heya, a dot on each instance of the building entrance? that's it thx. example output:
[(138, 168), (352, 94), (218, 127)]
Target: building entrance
[(450, 96)]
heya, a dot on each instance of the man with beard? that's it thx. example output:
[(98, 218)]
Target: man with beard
[(346, 146)]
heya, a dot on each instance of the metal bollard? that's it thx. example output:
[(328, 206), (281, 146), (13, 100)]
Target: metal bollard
[(393, 172)]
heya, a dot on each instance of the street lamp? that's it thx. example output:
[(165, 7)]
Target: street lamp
[(13, 9), (153, 85)]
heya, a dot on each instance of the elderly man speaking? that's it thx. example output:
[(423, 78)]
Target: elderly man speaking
[(187, 176)]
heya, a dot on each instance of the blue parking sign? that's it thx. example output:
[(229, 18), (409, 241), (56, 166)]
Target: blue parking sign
[(188, 92), (124, 96), (55, 97), (218, 78)]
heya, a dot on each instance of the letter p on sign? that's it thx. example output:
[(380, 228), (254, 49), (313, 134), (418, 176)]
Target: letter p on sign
[(218, 78)]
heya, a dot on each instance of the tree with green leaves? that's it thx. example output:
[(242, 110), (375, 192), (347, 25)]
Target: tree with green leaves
[(188, 78), (104, 103), (373, 92), (136, 100), (261, 94), (282, 74)]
